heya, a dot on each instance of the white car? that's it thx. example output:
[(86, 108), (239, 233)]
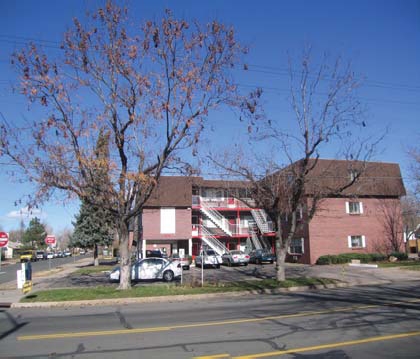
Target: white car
[(50, 255), (151, 268), (210, 259)]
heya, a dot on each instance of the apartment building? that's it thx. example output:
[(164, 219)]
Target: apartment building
[(185, 214)]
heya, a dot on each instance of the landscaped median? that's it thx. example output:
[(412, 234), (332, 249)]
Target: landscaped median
[(173, 290)]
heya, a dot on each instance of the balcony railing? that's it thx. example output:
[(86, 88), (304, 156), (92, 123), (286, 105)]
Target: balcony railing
[(228, 202), (235, 229)]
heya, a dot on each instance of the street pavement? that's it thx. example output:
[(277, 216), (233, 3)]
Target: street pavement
[(347, 275)]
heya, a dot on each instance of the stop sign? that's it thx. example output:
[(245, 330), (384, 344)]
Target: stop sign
[(4, 239), (50, 240)]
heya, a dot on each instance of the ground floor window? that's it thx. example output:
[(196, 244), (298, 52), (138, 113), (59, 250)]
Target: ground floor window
[(296, 246), (357, 241)]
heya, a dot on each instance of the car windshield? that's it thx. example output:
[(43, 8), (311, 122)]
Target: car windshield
[(236, 252), (210, 253)]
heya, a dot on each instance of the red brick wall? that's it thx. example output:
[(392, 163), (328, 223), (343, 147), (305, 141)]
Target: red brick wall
[(331, 226), (151, 224)]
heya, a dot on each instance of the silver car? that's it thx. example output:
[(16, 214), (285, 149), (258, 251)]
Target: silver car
[(151, 269), (235, 257)]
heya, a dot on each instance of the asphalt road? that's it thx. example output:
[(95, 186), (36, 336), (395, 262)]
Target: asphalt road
[(8, 272), (355, 322)]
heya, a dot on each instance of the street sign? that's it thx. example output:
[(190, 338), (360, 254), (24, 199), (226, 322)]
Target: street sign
[(50, 240), (4, 239)]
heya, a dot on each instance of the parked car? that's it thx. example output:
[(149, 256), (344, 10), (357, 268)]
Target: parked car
[(82, 252), (151, 269), (259, 256), (67, 254), (40, 255), (60, 254), (235, 257), (209, 258), (49, 255), (185, 261), (154, 254)]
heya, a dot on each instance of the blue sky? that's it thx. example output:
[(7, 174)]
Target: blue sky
[(380, 38)]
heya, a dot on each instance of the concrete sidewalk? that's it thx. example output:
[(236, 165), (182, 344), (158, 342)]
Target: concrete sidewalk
[(347, 275)]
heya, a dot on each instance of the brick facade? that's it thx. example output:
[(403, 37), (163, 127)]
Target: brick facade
[(331, 226), (152, 220)]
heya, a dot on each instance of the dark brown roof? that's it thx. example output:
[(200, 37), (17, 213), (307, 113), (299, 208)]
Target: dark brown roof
[(172, 191), (376, 179)]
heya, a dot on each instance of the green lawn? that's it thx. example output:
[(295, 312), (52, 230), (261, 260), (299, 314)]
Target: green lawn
[(408, 265), (70, 294)]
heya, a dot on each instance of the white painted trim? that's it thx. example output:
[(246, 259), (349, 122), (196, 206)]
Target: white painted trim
[(303, 245), (347, 207), (361, 207), (349, 241), (363, 241)]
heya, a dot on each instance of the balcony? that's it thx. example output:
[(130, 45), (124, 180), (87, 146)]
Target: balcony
[(222, 203), (235, 229)]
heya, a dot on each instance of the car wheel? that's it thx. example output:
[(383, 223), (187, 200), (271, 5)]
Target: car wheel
[(217, 266), (257, 261), (271, 262), (245, 264), (229, 263), (168, 276)]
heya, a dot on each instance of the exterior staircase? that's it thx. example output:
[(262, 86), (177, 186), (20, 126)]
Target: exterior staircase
[(260, 218), (215, 216), (212, 241), (253, 235)]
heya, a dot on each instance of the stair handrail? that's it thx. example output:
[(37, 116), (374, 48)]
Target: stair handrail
[(218, 219), (212, 241)]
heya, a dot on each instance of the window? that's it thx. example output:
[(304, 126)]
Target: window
[(167, 220), (356, 241), (354, 207), (296, 246), (354, 174)]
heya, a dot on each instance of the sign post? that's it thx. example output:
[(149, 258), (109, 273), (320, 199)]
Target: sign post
[(4, 239), (49, 241)]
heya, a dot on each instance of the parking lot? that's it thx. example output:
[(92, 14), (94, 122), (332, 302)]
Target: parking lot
[(192, 276)]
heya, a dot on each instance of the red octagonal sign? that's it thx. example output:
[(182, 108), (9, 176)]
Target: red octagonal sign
[(4, 239), (50, 240)]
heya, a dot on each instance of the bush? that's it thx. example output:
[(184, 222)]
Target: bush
[(400, 256), (347, 258)]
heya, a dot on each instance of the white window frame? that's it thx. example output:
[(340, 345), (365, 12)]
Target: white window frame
[(350, 241), (354, 213), (302, 244), (167, 220)]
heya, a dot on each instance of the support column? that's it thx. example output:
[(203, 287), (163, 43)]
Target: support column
[(143, 249), (190, 246)]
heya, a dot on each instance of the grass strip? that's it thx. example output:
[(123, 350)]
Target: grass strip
[(166, 289), (412, 265)]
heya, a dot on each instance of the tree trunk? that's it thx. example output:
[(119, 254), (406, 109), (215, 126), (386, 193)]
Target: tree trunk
[(95, 255), (280, 252), (125, 265)]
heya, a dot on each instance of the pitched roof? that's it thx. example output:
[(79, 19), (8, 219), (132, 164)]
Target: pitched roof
[(376, 178), (172, 191)]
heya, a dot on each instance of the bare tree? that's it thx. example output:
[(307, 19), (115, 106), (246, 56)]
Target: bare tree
[(151, 87), (410, 207), (391, 217), (327, 114), (414, 154)]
